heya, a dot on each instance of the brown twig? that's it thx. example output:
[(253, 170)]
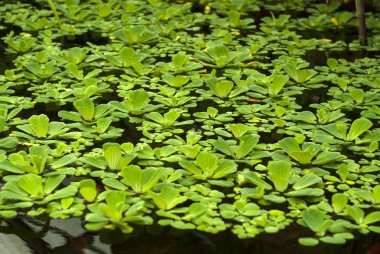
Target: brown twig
[(360, 13)]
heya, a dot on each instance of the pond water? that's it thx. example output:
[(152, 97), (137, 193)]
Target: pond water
[(30, 236)]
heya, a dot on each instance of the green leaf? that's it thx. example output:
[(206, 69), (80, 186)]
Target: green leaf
[(313, 218), (280, 174), (254, 178), (289, 145), (31, 184), (332, 63), (38, 156), (225, 167), (306, 192), (168, 198), (207, 162), (141, 180), (358, 95), (219, 54), (306, 181), (307, 117), (375, 229), (308, 241), (372, 218), (64, 161), (73, 68), (8, 214), (278, 82), (72, 116), (9, 142), (132, 176), (87, 188), (339, 202), (85, 108), (299, 75), (113, 183), (332, 240), (150, 177), (195, 210), (95, 162), (246, 145), (220, 88), (69, 191), (95, 226), (167, 120), (158, 200), (136, 100), (179, 60), (223, 146), (175, 81), (39, 125), (192, 168), (112, 154), (238, 129), (302, 157), (102, 124), (376, 194), (338, 130), (327, 157), (356, 213), (358, 127), (114, 198), (128, 56), (52, 182)]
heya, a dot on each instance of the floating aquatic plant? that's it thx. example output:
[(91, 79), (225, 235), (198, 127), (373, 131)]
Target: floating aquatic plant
[(194, 115)]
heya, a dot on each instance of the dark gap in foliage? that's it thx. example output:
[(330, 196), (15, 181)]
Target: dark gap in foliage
[(172, 241), (89, 149), (352, 113), (202, 105), (270, 138), (203, 28), (197, 6), (348, 34), (117, 72), (311, 96), (41, 108), (168, 242), (78, 40), (353, 156), (107, 97), (33, 3), (72, 179), (261, 14), (130, 133), (319, 58), (9, 28), (50, 109), (23, 90), (7, 58)]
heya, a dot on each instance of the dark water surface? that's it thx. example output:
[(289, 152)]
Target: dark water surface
[(26, 236)]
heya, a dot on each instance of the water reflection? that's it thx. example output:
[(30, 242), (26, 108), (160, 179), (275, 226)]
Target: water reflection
[(28, 236)]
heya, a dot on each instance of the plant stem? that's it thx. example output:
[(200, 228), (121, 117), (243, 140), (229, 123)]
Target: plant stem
[(360, 13), (54, 10)]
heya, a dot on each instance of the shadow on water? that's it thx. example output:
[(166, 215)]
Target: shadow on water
[(69, 41), (319, 58), (67, 236)]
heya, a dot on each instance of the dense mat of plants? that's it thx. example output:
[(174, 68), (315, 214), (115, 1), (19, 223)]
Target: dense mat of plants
[(209, 115)]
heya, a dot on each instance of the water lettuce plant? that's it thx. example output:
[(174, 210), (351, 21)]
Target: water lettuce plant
[(247, 116)]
